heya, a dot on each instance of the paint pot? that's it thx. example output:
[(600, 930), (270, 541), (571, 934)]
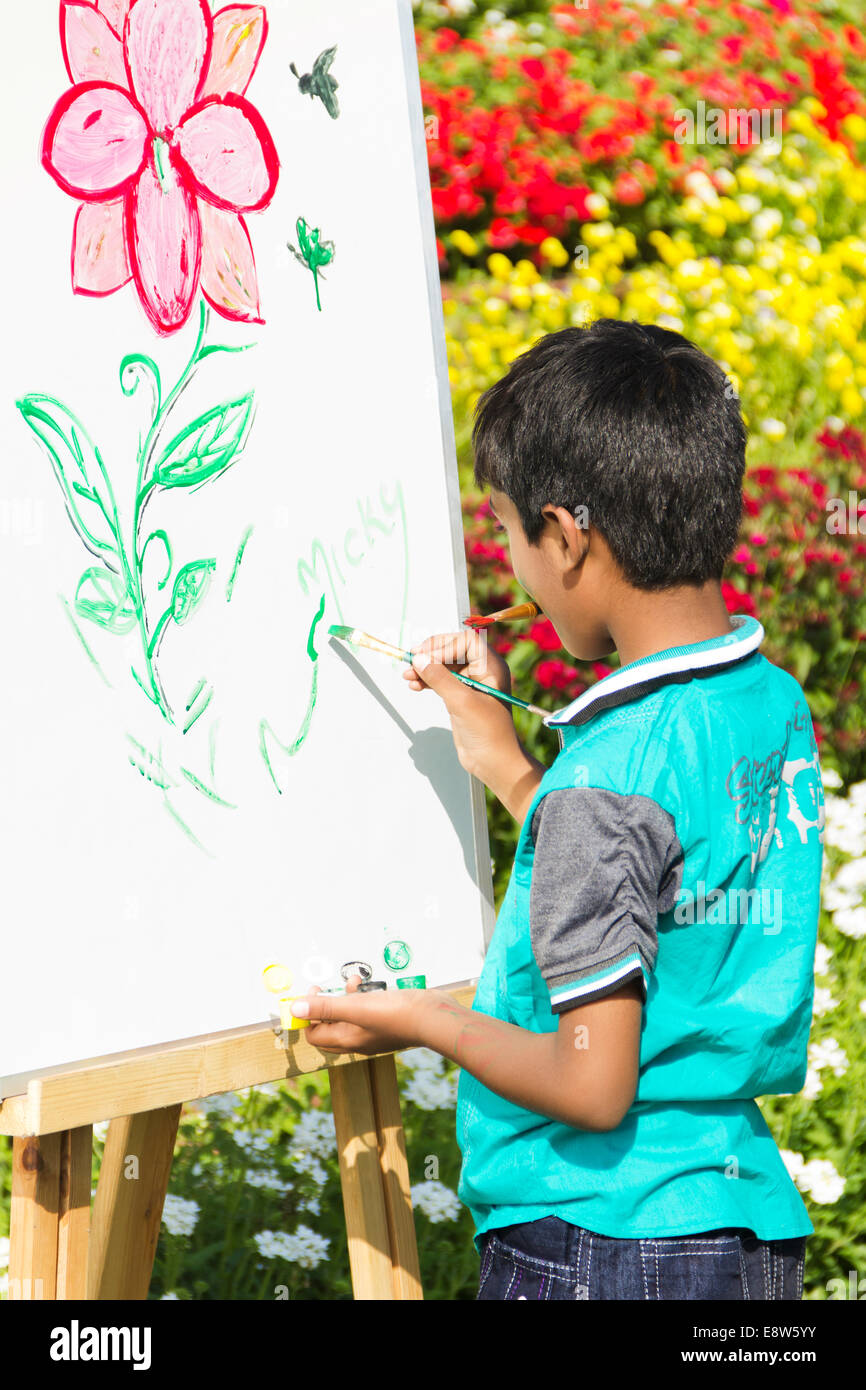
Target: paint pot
[(369, 985), (396, 955), (356, 967), (412, 982)]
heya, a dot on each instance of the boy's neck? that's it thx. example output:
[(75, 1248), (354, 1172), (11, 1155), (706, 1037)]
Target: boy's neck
[(645, 623)]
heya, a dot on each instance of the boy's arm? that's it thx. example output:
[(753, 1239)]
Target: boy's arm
[(514, 779), (483, 728), (585, 1074)]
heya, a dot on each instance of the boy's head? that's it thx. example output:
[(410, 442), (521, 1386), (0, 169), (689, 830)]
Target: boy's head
[(615, 457)]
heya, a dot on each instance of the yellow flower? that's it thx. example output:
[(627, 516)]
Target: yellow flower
[(521, 297), (855, 126), (553, 251), (494, 309), (499, 266), (524, 273), (715, 225), (466, 244), (597, 205), (852, 402)]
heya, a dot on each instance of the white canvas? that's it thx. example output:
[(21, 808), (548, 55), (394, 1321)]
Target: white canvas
[(137, 913)]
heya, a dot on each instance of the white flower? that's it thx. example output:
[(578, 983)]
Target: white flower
[(100, 1130), (820, 1181), (179, 1215), (828, 1053), (314, 1132), (823, 956), (269, 1177), (822, 1002), (794, 1162), (851, 921), (4, 1252), (252, 1143), (311, 1204), (766, 223), (845, 824), (773, 429), (834, 898), (430, 1087), (830, 777), (437, 1201), (862, 1006), (834, 423), (308, 1163), (168, 1296), (306, 1247), (223, 1106), (813, 1085)]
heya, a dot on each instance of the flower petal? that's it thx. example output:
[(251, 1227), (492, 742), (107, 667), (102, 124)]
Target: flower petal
[(99, 263), (94, 142), (239, 33), (115, 12), (228, 151), (228, 267), (92, 51), (167, 47), (163, 238)]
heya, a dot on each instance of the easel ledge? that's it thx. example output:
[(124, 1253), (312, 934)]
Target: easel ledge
[(59, 1249)]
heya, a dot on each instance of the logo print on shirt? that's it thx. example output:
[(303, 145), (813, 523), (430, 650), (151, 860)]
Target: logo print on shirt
[(754, 788)]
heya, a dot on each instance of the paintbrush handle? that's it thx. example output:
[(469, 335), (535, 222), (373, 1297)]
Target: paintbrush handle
[(499, 694)]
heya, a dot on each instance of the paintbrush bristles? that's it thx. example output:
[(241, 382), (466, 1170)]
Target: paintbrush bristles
[(364, 639)]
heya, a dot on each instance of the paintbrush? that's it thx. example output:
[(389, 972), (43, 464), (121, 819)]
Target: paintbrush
[(504, 615), (363, 639)]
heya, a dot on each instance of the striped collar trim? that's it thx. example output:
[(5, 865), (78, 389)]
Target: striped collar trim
[(674, 665)]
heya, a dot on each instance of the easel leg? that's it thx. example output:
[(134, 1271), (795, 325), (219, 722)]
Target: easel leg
[(361, 1176), (50, 1215), (130, 1195), (383, 1253), (394, 1167)]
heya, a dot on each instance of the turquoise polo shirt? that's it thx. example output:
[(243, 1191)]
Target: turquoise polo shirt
[(676, 840)]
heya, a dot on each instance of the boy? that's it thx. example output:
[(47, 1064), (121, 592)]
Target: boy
[(651, 970)]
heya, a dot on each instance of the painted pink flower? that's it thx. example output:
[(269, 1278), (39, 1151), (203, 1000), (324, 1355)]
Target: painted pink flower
[(160, 145)]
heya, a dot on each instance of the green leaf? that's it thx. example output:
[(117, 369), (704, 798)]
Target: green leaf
[(102, 597), (190, 587), (80, 472), (207, 446)]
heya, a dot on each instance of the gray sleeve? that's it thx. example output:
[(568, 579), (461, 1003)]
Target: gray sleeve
[(605, 866)]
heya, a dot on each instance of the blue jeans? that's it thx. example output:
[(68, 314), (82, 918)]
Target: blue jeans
[(552, 1259)]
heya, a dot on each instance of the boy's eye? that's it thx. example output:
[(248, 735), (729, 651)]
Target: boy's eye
[(497, 525)]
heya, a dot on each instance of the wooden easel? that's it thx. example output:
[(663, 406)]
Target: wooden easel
[(60, 1249)]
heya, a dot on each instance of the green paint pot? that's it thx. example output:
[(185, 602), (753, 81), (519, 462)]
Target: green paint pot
[(396, 955), (412, 982)]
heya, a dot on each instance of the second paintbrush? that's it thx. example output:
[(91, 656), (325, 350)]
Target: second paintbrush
[(363, 639)]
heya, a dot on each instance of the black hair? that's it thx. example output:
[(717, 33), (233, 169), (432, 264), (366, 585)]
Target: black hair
[(637, 425)]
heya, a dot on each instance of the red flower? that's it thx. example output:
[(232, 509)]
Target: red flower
[(627, 190), (545, 636), (164, 152)]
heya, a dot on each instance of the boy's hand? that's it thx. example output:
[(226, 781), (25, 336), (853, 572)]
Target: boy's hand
[(483, 728), (381, 1021)]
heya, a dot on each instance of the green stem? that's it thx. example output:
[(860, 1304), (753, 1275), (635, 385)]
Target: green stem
[(143, 489)]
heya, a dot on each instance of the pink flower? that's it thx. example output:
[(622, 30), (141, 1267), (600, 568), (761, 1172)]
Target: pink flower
[(163, 150)]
